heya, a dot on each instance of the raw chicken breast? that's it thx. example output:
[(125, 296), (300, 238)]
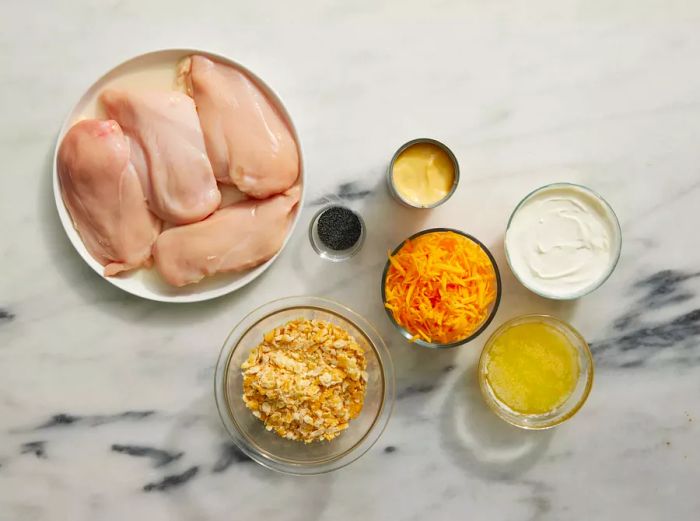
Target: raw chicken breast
[(247, 140), (167, 149), (104, 197), (235, 238)]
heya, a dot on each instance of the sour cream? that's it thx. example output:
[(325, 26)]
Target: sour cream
[(563, 241)]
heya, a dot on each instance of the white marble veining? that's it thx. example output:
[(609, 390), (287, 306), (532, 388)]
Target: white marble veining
[(602, 93)]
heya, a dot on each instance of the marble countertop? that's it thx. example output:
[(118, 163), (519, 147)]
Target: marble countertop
[(106, 405)]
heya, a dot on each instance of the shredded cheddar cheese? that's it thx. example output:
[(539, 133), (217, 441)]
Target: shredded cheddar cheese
[(439, 287)]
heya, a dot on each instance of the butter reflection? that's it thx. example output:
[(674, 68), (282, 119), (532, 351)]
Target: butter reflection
[(482, 443)]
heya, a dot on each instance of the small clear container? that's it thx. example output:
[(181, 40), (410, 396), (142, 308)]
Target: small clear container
[(329, 253), (564, 411), (289, 456), (493, 307), (617, 237)]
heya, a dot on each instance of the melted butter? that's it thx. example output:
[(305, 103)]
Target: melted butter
[(532, 368), (423, 174)]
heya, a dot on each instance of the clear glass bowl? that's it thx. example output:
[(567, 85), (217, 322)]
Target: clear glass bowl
[(493, 307), (294, 457), (617, 246), (572, 404)]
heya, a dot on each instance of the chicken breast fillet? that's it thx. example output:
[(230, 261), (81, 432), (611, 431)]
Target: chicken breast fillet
[(248, 142), (168, 152), (104, 197), (235, 238)]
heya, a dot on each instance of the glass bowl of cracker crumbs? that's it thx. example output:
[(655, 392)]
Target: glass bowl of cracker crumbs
[(304, 385)]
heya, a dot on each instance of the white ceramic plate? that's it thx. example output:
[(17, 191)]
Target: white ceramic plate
[(158, 70)]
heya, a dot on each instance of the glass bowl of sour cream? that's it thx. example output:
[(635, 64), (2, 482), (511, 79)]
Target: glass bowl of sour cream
[(563, 241)]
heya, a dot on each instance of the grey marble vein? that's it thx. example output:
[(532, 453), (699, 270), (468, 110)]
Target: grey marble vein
[(414, 389), (640, 337), (230, 454), (539, 499), (172, 481), (38, 448), (639, 346), (160, 457), (663, 288), (351, 191), (66, 420)]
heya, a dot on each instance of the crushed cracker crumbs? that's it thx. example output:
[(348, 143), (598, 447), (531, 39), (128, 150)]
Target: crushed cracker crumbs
[(306, 380)]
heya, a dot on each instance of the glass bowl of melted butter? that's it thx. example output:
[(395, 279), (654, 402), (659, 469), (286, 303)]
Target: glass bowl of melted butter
[(535, 371)]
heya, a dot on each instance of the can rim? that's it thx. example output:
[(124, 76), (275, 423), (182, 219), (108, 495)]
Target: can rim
[(408, 144)]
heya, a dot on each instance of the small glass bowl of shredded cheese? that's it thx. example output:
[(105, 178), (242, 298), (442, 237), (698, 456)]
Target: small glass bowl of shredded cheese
[(441, 288), (304, 385)]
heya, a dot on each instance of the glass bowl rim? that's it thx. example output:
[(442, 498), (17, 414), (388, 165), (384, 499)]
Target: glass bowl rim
[(377, 344), (582, 346), (434, 345), (616, 225)]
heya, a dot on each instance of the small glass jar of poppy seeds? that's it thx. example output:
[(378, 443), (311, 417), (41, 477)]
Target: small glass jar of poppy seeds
[(336, 232)]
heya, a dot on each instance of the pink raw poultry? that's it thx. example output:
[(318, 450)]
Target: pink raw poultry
[(235, 238), (104, 197), (248, 142), (167, 149)]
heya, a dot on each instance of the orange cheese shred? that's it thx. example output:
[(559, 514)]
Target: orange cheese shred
[(439, 287)]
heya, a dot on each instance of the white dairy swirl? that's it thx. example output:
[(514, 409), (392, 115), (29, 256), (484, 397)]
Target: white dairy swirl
[(562, 241)]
